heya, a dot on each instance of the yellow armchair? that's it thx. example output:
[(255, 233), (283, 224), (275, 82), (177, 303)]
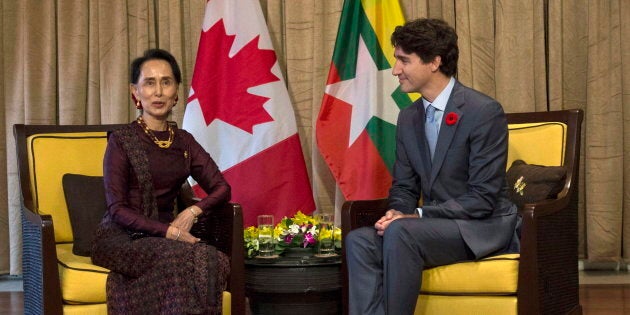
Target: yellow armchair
[(543, 278), (56, 281)]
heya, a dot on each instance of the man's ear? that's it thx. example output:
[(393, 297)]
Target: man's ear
[(435, 64)]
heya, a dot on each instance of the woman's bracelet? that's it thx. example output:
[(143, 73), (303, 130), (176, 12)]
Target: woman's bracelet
[(179, 232), (193, 211), (194, 214)]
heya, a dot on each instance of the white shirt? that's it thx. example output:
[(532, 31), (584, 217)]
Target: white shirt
[(440, 102)]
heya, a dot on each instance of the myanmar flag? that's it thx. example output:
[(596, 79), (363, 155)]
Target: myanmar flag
[(239, 110), (356, 127)]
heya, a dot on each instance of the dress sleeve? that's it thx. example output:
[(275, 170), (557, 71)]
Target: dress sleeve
[(119, 192), (207, 174)]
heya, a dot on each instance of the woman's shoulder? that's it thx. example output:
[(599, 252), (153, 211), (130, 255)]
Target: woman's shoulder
[(182, 134), (122, 130)]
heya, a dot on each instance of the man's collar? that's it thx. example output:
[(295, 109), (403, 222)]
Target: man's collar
[(442, 98)]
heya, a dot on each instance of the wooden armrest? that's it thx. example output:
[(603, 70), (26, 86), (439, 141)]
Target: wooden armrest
[(42, 290), (548, 262), (359, 213), (226, 234), (356, 214), (224, 228), (546, 207)]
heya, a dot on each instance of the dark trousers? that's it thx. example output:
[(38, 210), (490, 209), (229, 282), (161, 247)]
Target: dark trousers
[(385, 273)]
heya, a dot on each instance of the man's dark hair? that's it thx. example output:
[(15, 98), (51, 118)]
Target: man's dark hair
[(429, 38), (153, 54)]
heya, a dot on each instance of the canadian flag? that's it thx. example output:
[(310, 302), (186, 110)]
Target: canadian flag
[(239, 110)]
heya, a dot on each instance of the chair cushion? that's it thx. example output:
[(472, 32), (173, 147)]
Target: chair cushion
[(85, 197), (495, 275), (82, 153), (82, 309), (85, 283), (81, 281), (465, 305), (530, 183)]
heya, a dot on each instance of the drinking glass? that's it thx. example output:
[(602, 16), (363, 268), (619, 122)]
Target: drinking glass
[(326, 238), (265, 236)]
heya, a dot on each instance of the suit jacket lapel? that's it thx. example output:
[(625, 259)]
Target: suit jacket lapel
[(447, 132)]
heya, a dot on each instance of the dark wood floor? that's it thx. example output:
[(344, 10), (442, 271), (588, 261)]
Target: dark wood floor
[(605, 299), (11, 303), (596, 299)]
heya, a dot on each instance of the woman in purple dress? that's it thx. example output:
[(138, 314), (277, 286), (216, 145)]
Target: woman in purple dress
[(157, 266)]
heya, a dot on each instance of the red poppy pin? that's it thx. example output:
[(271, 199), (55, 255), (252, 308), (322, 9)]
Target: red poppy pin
[(451, 118)]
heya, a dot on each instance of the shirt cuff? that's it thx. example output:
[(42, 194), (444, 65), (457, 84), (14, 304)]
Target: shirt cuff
[(419, 212)]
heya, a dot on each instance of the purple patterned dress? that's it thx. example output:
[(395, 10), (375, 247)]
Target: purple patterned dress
[(153, 274)]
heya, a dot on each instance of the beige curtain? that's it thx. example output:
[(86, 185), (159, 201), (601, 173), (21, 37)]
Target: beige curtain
[(65, 62), (607, 154)]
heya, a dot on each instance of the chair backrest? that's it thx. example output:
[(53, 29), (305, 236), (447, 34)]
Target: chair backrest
[(540, 143), (45, 154), (548, 138)]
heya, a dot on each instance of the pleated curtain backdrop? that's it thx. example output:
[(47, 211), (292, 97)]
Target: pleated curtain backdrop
[(66, 62)]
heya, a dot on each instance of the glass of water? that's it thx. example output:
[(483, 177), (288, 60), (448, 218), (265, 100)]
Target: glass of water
[(326, 237), (265, 236)]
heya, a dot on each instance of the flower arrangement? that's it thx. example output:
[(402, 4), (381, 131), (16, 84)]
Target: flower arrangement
[(300, 231)]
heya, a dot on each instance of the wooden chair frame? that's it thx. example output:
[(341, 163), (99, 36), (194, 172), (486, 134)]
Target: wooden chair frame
[(548, 267)]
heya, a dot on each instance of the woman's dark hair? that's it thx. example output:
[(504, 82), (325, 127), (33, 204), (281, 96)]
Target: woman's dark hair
[(429, 38), (153, 54)]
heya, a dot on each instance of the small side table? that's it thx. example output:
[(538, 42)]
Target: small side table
[(295, 283)]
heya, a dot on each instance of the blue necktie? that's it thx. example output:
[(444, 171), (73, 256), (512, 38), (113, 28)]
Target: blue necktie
[(431, 128)]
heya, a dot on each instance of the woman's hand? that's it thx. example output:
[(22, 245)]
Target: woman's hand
[(187, 218), (388, 218), (178, 234)]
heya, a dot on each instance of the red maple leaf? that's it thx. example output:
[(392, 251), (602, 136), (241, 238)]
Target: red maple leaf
[(220, 83)]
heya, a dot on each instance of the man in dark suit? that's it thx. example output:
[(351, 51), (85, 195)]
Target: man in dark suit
[(451, 153)]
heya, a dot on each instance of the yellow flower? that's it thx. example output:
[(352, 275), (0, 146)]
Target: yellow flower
[(277, 231), (337, 233), (325, 233), (250, 238), (300, 218), (251, 232)]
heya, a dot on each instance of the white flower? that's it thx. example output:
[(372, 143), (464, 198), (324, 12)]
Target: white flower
[(313, 230), (294, 229)]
